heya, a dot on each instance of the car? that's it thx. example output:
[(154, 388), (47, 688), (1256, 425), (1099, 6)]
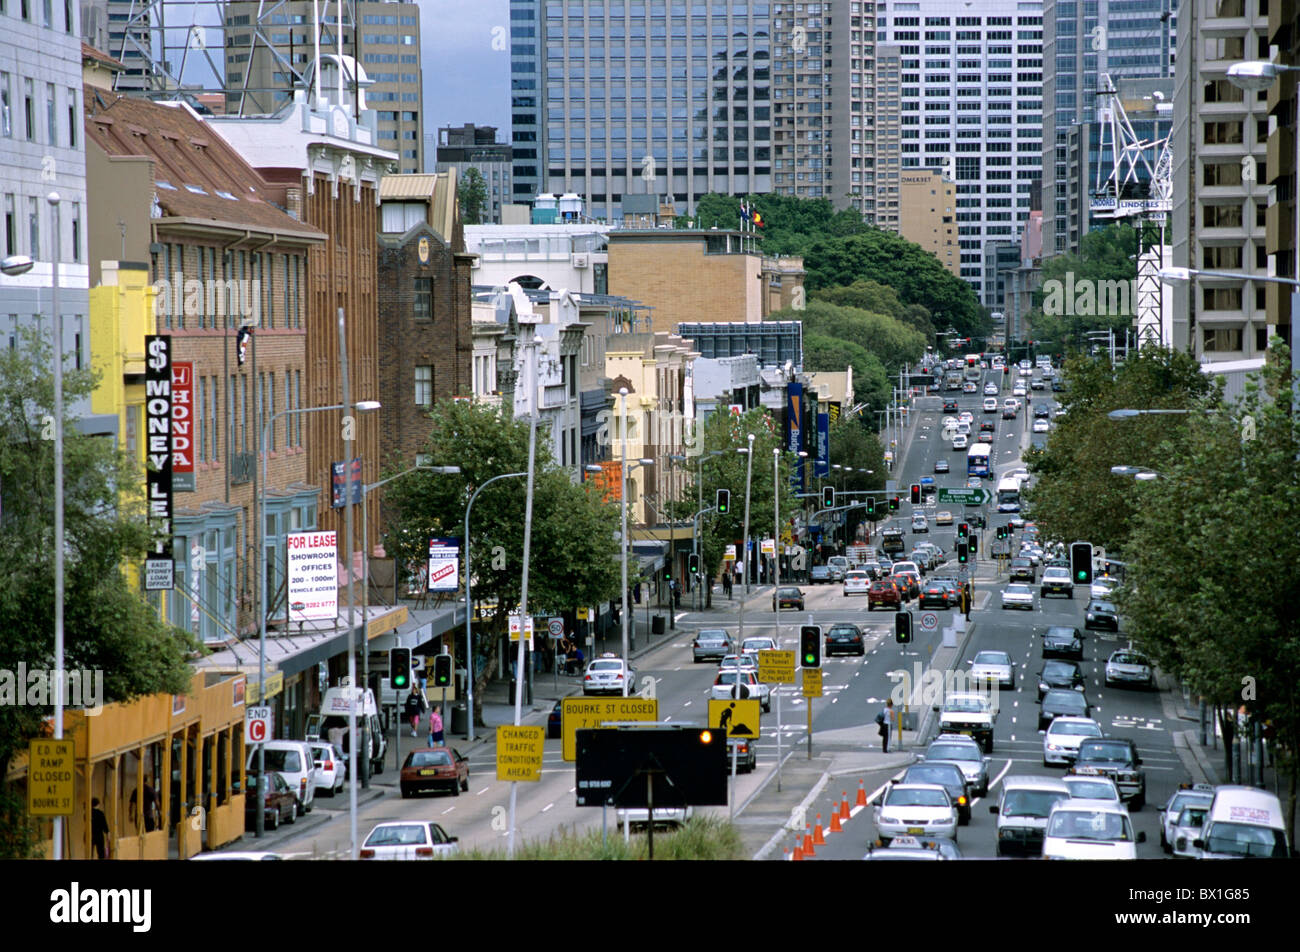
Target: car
[(1058, 385), (330, 766), (1102, 587), (856, 583), (966, 417), (976, 519), (996, 666), (1117, 758), (960, 441), (1022, 811), (1060, 674), (915, 809), (990, 389), (943, 518), (1129, 667), (1056, 581), (845, 638), (724, 686), (948, 776), (1243, 823), (1100, 616), (608, 675), (925, 556), (988, 426), (969, 714), (432, 768), (986, 436), (1063, 735), (1090, 829), (1019, 390), (973, 482), (884, 594), (279, 802), (555, 720), (1062, 641), (966, 754), (1042, 411), (908, 580), (969, 387), (254, 855), (1186, 829), (913, 848), (745, 662), (1093, 787), (1042, 426), (293, 760), (990, 404), (756, 643), (874, 570), (1037, 384), (954, 588), (937, 594), (819, 575), (408, 839), (743, 752), (787, 598), (1018, 596), (1022, 570), (1060, 702), (1008, 412), (1187, 795), (920, 523), (941, 466), (949, 405), (710, 644)]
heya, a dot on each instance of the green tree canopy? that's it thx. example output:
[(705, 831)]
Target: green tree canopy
[(1089, 291), (473, 197)]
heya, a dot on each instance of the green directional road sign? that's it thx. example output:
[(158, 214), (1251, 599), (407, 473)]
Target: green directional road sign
[(964, 496)]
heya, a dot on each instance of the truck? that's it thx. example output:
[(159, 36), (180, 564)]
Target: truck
[(891, 540), (952, 380), (331, 723)]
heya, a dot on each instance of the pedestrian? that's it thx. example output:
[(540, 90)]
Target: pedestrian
[(435, 726), (413, 708), (727, 581), (885, 719), (676, 588), (98, 831)]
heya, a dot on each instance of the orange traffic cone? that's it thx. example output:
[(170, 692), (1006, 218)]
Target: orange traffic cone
[(862, 795), (819, 838), (835, 822), (808, 848), (845, 812), (798, 851)]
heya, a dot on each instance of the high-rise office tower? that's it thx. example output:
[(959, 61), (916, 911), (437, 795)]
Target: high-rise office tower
[(663, 97), (970, 87), (1126, 39)]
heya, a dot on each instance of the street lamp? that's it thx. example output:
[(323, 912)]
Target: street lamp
[(362, 406), (1176, 275), (14, 265)]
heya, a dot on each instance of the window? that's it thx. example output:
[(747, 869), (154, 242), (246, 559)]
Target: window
[(51, 129), (76, 231), (6, 125), (29, 110), (424, 385), (1222, 216), (34, 227), (1220, 339), (11, 226), (1221, 299), (423, 303)]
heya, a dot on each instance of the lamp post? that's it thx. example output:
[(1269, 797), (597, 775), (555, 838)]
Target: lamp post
[(363, 406), (744, 544), (700, 510), (624, 543)]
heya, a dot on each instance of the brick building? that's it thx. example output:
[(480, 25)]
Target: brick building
[(425, 329)]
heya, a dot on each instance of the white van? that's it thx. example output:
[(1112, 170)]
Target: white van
[(1243, 823), (1090, 829), (291, 759), (1022, 812), (331, 724)]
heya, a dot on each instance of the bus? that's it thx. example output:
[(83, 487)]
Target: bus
[(1009, 494), (952, 380), (973, 371), (977, 459)]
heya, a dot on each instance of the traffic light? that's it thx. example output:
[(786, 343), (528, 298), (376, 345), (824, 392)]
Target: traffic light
[(973, 545), (399, 668), (1081, 562), (810, 646), (871, 507), (693, 564), (828, 497), (916, 494), (903, 627), (893, 504), (724, 501), (963, 530), (668, 573), (1001, 533), (442, 671), (962, 553)]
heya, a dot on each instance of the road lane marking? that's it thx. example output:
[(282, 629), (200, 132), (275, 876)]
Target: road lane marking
[(483, 791), (547, 807), (448, 810)]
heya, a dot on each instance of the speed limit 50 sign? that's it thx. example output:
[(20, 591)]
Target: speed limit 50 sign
[(257, 725)]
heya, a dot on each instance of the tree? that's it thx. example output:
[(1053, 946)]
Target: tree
[(473, 197), (1075, 495), (574, 556), (1089, 291), (108, 627), (853, 445), (823, 353), (1223, 513)]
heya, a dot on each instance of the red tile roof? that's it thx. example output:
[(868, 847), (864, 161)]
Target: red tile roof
[(198, 175)]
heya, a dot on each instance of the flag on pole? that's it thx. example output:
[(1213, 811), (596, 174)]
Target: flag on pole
[(757, 219)]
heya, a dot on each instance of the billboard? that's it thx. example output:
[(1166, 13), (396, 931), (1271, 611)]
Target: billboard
[(158, 455), (609, 480), (823, 467), (444, 564), (794, 431), (183, 426), (313, 576)]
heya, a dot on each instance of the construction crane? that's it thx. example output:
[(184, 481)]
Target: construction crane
[(1139, 187)]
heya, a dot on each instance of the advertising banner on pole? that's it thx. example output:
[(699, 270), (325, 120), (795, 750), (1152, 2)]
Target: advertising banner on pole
[(823, 445), (444, 564), (183, 426), (313, 576), (158, 455), (339, 482), (794, 431)]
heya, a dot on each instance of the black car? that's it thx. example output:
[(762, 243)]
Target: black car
[(1057, 386), (1063, 642), (1060, 702), (1060, 674), (554, 719), (941, 466), (1022, 570), (845, 639), (787, 598), (954, 589), (1100, 616), (950, 406), (1117, 758), (948, 776), (938, 594), (1042, 411)]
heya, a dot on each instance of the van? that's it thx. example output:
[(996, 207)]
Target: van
[(1090, 829), (1243, 823), (292, 759), (1022, 813), (331, 724)]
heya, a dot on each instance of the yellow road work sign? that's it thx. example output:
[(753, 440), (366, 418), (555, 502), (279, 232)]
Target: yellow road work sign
[(519, 752), (737, 718)]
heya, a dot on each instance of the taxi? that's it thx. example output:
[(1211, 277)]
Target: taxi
[(916, 809), (1197, 795), (943, 518)]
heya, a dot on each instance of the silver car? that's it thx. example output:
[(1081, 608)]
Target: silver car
[(916, 809), (607, 675), (1186, 830), (711, 644), (1062, 738), (1084, 787), (1018, 596), (965, 753), (994, 666), (856, 583), (1129, 667), (1189, 795)]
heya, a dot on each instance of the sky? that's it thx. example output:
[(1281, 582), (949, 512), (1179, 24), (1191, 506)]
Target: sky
[(466, 62)]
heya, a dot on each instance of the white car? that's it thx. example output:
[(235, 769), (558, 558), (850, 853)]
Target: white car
[(746, 662), (920, 523), (1090, 829), (1062, 738), (1018, 596), (990, 404), (961, 441), (408, 839), (331, 768), (963, 428), (1019, 390), (606, 675), (916, 809), (856, 583), (1093, 787), (1129, 667), (664, 816), (1103, 587), (1055, 580), (965, 417), (758, 643), (238, 855), (1042, 425), (1190, 795), (1186, 829), (990, 390), (724, 686), (994, 666)]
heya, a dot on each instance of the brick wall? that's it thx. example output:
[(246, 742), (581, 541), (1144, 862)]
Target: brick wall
[(683, 284)]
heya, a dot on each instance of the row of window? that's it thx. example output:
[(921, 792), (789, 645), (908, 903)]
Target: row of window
[(218, 436), (200, 289), (17, 206), (20, 117), (41, 12)]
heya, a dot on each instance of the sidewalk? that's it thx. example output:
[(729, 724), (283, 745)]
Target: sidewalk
[(1205, 763)]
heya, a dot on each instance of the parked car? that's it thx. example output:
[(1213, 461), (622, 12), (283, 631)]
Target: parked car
[(279, 802), (555, 719), (293, 760), (408, 839), (434, 768), (330, 768)]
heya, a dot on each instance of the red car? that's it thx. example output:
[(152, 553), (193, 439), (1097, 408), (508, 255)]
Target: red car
[(279, 802), (885, 594), (432, 768)]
